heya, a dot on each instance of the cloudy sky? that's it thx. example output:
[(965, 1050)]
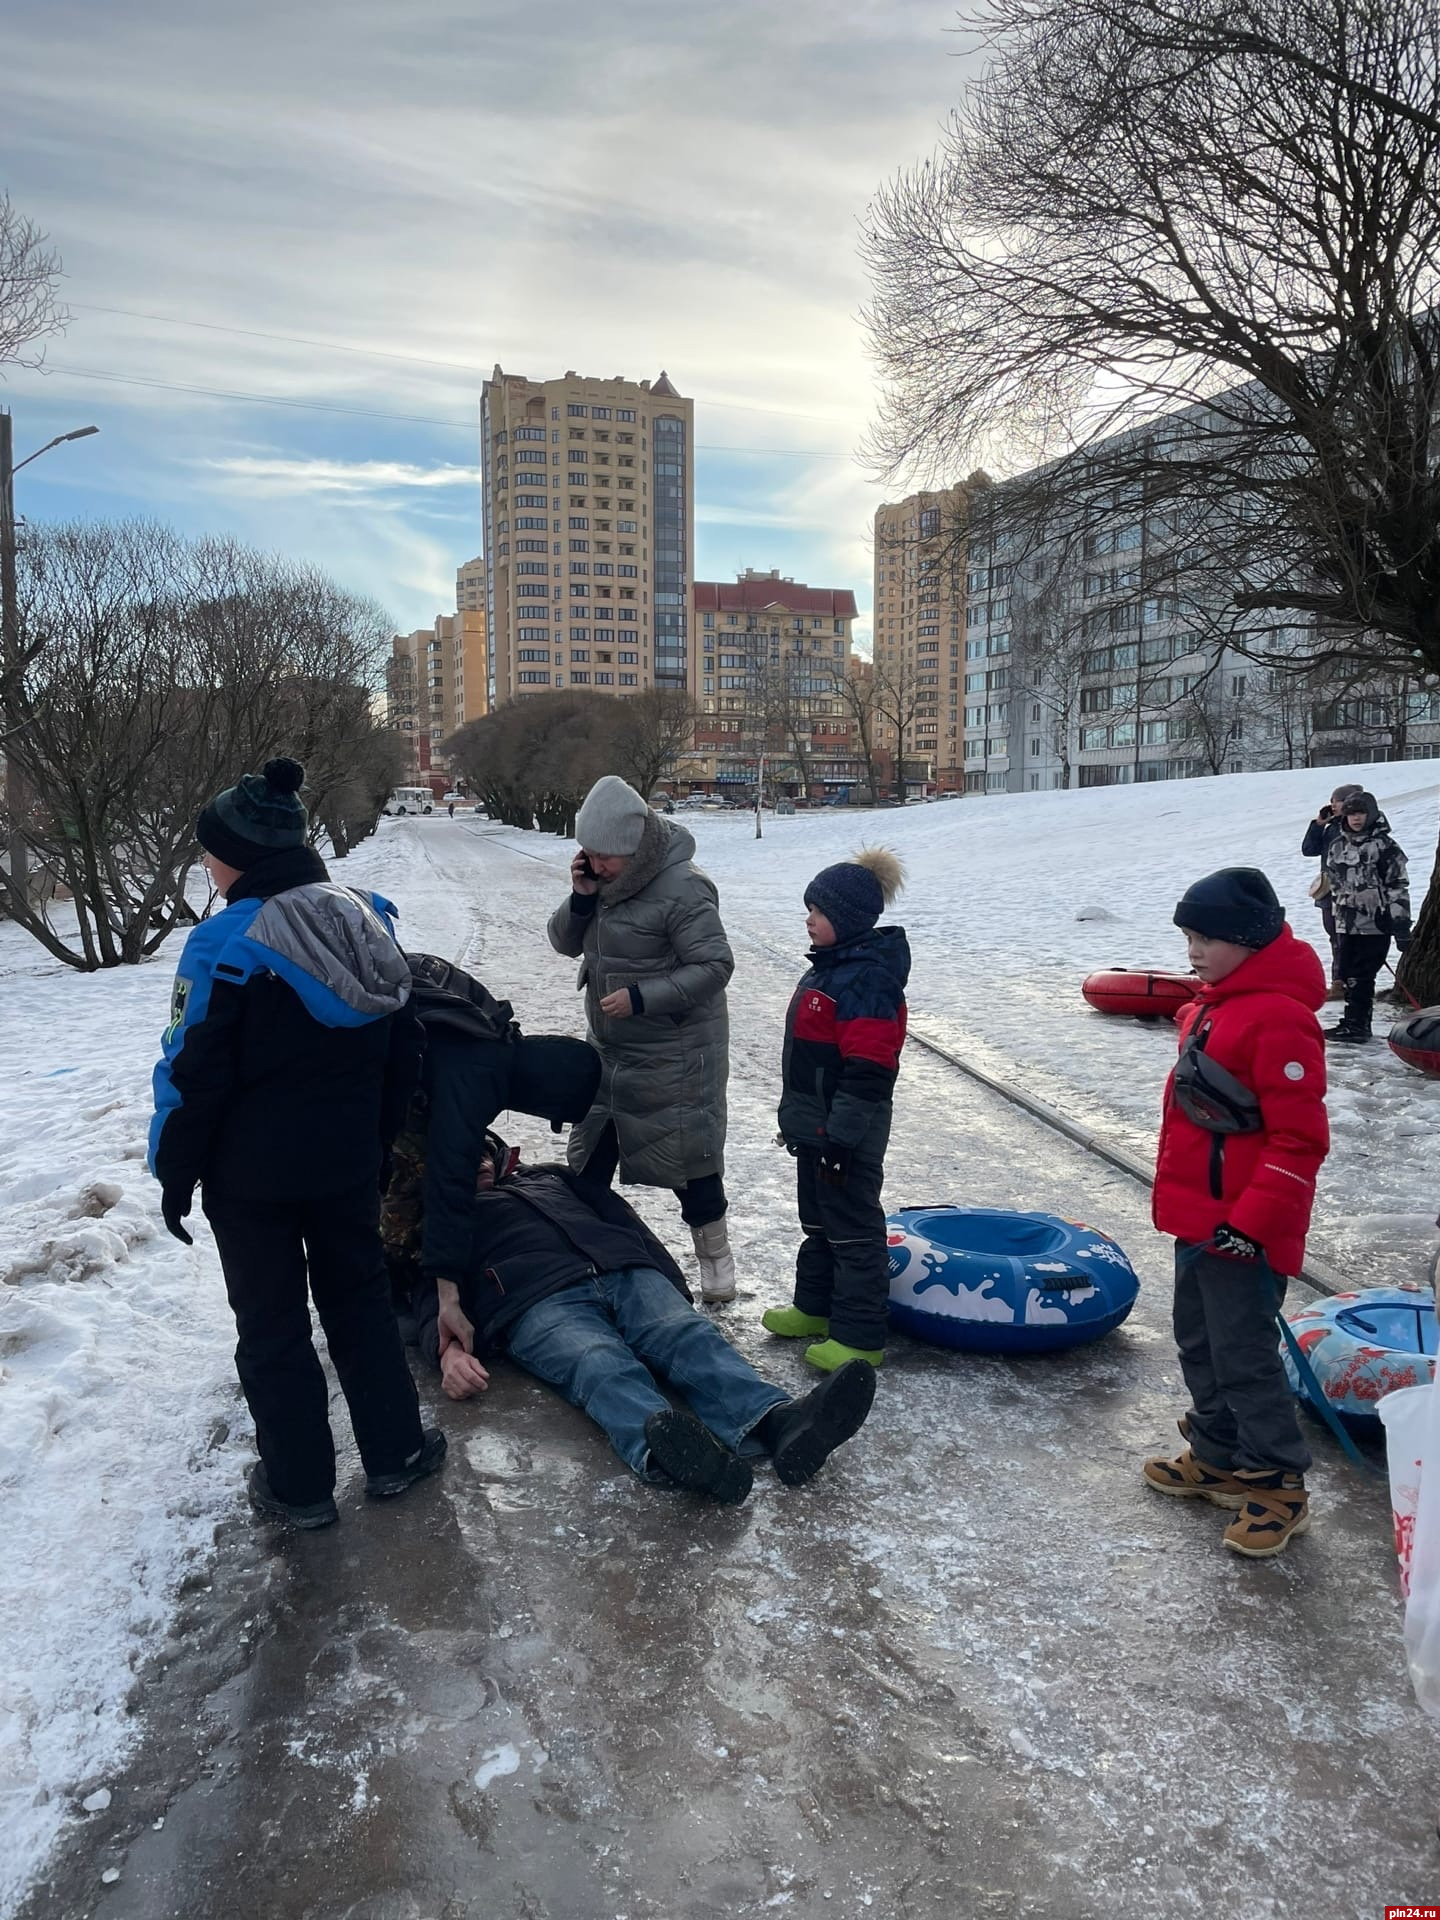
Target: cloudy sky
[(297, 237)]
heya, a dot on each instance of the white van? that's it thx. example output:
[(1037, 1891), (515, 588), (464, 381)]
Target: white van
[(411, 800)]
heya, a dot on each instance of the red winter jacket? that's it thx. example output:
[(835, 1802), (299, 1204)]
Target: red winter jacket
[(1263, 1029)]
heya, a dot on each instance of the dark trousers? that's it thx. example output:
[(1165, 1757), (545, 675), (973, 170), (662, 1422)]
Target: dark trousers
[(1327, 920), (842, 1268), (267, 1252), (701, 1201), (1242, 1412), (1359, 957)]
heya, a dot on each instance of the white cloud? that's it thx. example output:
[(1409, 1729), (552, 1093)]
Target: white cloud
[(300, 475)]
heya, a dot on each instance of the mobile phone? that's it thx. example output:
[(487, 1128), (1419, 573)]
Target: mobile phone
[(586, 868)]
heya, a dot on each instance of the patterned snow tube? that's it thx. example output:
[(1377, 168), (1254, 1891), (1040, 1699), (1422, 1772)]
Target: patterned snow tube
[(990, 1281), (1364, 1345), (1416, 1039), (1144, 995)]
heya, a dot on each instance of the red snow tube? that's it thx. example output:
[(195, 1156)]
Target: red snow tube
[(1416, 1039), (1145, 995)]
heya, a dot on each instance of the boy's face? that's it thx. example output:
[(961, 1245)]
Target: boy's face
[(1213, 959), (222, 877), (485, 1177), (821, 933), (1357, 822)]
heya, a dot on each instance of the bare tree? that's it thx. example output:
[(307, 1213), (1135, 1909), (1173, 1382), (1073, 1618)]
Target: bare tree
[(158, 670), (859, 701), (1142, 208), (899, 697), (531, 762), (655, 728), (1050, 648), (30, 308)]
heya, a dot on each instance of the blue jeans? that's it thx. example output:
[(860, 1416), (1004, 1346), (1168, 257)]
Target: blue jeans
[(601, 1344)]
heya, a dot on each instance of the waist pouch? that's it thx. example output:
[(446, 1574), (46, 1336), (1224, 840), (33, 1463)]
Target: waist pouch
[(1208, 1094)]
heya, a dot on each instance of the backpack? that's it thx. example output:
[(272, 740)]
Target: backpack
[(445, 996)]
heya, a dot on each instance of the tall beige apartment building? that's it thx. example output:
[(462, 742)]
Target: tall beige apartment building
[(589, 533), (437, 679), (470, 586), (920, 602)]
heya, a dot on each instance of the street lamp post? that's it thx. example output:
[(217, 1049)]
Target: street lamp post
[(16, 786)]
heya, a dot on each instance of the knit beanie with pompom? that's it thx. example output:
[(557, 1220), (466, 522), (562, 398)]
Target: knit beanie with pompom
[(855, 892), (260, 814)]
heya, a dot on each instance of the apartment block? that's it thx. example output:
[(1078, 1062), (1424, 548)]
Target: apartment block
[(470, 586), (921, 605), (589, 533), (769, 656), (428, 694)]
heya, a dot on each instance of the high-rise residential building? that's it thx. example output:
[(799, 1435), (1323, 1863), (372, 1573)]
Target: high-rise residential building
[(426, 685), (470, 586), (920, 614), (769, 656), (589, 532)]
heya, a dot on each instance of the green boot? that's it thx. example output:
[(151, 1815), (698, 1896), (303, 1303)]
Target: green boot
[(830, 1354), (791, 1324)]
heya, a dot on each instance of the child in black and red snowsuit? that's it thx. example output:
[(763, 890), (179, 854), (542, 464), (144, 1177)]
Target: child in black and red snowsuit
[(1242, 1139), (843, 1034)]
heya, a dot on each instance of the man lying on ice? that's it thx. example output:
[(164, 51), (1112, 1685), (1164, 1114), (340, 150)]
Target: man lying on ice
[(567, 1281)]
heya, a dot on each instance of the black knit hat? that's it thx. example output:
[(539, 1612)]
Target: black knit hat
[(1236, 904), (260, 814)]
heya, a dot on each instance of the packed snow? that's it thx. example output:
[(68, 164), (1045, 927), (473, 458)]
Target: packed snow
[(122, 1435)]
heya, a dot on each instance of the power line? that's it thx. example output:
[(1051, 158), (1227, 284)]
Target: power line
[(377, 353), (372, 413)]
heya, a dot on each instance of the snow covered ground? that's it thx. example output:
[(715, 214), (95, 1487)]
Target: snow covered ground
[(122, 1436)]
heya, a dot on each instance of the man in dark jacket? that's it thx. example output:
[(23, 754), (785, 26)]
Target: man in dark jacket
[(287, 1065), (568, 1281)]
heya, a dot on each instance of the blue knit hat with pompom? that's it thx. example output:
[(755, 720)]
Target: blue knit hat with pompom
[(260, 814)]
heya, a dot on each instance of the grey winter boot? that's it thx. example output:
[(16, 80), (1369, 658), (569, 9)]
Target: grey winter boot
[(717, 1263)]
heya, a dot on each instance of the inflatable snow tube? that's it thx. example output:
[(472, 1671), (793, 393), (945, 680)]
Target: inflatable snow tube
[(1364, 1345), (1142, 993), (1416, 1039), (997, 1282)]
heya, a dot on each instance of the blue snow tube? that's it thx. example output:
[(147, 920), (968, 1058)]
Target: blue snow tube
[(991, 1281), (1364, 1345)]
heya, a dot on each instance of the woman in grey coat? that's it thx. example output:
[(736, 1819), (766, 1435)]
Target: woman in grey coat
[(644, 923)]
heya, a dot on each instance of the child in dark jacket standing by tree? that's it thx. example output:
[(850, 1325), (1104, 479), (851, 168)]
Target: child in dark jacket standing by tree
[(288, 1064), (843, 1035), (1242, 1138)]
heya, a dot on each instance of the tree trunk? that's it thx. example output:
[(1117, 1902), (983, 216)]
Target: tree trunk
[(1420, 969)]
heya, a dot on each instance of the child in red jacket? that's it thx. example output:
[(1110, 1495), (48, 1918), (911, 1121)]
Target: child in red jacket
[(1242, 1139)]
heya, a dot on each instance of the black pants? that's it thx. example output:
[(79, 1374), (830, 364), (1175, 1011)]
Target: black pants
[(1242, 1412), (1327, 920), (701, 1201), (1359, 957), (842, 1268), (266, 1252)]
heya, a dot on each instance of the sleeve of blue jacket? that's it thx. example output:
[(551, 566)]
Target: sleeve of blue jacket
[(196, 1071)]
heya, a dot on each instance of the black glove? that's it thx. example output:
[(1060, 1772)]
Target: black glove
[(1402, 940), (1236, 1246), (175, 1207), (834, 1169)]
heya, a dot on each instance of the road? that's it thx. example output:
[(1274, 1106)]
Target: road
[(974, 1669)]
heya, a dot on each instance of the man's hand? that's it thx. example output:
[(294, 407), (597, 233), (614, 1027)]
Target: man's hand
[(834, 1168), (582, 880), (618, 1005), (175, 1207), (455, 1330), (461, 1374)]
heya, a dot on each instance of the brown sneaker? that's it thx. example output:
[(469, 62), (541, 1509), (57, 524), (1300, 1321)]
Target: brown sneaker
[(1190, 1478), (1276, 1506)]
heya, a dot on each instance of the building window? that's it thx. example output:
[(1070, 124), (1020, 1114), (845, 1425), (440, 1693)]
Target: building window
[(531, 679), (538, 654), (629, 679), (576, 413), (579, 679), (579, 523), (604, 679)]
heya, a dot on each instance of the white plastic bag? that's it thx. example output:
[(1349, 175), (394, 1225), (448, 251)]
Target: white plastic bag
[(1412, 1442)]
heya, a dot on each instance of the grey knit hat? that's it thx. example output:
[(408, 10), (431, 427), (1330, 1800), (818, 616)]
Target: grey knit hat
[(260, 814), (611, 818)]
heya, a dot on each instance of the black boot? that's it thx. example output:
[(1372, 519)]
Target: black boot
[(692, 1456), (385, 1486), (1347, 1032), (264, 1499), (803, 1434)]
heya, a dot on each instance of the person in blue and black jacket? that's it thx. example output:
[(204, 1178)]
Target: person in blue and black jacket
[(843, 1034), (288, 1063)]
